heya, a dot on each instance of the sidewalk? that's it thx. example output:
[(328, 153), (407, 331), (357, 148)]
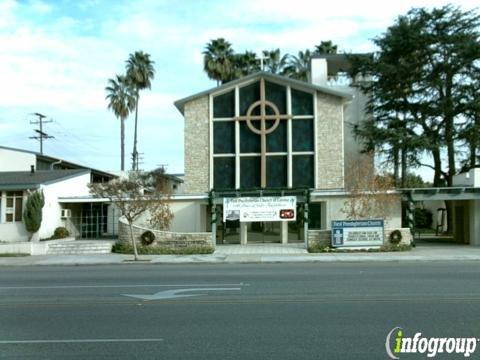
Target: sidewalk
[(427, 253)]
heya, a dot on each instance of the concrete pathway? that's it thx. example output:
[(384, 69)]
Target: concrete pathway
[(428, 253), (261, 249)]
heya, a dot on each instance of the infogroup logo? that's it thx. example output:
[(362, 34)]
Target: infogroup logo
[(397, 343)]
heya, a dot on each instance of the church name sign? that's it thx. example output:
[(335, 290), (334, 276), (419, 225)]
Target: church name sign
[(266, 208), (354, 233)]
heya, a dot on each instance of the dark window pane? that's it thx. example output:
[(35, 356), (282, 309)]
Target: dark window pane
[(248, 95), (278, 95), (314, 216), (9, 202), (18, 208), (9, 217), (302, 171), (302, 135), (276, 171), (224, 105), (224, 173), (277, 140), (302, 103), (224, 137), (250, 172), (249, 141)]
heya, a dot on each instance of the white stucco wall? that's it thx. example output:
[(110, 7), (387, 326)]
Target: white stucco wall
[(75, 186), (332, 210), (11, 160), (433, 206), (470, 178), (187, 216)]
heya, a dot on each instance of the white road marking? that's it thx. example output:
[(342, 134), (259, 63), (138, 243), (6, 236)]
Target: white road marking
[(173, 294), (112, 286), (67, 341)]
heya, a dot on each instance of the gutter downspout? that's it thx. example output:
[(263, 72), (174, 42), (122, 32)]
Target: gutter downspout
[(55, 163)]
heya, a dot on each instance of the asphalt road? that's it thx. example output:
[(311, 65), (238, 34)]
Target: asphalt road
[(269, 311)]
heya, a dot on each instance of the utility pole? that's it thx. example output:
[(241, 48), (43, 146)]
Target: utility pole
[(40, 133)]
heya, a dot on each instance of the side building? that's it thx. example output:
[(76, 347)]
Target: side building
[(68, 202)]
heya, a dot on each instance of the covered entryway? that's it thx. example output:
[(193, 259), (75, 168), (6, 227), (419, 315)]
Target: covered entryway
[(90, 219), (288, 224), (464, 203)]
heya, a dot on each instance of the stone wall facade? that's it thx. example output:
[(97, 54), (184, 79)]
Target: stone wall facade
[(167, 239), (197, 156), (322, 238), (330, 155)]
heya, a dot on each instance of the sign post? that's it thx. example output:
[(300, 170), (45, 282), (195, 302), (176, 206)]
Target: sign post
[(357, 233)]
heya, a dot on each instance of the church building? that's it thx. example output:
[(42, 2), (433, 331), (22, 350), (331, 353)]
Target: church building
[(266, 135)]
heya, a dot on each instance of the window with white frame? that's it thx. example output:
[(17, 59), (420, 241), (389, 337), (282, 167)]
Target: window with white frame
[(14, 206), (285, 155)]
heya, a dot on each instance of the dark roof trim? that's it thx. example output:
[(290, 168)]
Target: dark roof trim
[(54, 159), (296, 83), (18, 187), (27, 180)]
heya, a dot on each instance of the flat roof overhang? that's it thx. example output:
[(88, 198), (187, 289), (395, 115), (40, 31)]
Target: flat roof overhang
[(445, 193)]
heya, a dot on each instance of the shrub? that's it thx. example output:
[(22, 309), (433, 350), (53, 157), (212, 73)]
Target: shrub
[(423, 218), (60, 233), (122, 248), (387, 247), (32, 215)]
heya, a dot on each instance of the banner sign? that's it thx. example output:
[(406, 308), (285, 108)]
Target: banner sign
[(267, 208), (350, 233)]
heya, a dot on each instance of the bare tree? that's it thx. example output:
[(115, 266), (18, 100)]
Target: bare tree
[(138, 194), (371, 195)]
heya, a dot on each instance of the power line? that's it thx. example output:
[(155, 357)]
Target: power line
[(40, 133)]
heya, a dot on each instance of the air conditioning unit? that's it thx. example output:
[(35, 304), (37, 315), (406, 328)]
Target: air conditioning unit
[(66, 213)]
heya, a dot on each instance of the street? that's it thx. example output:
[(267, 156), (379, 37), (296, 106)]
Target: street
[(231, 311)]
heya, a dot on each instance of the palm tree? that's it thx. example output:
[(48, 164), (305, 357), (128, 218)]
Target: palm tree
[(121, 101), (140, 72), (275, 63), (218, 60), (298, 66), (325, 47), (245, 64)]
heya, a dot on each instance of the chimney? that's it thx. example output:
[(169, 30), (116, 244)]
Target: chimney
[(318, 71), (32, 169)]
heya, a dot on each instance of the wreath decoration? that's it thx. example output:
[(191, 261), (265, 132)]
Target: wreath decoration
[(395, 237), (147, 238)]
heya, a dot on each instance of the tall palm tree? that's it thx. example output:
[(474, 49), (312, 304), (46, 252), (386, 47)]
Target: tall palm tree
[(218, 60), (275, 63), (298, 66), (140, 73), (325, 47), (245, 64), (121, 100)]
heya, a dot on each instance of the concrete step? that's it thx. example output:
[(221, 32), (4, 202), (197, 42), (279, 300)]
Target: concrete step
[(79, 248)]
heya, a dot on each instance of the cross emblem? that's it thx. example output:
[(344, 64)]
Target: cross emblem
[(263, 131)]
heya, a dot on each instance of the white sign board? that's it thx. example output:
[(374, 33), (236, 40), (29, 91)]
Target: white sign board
[(353, 233), (267, 208)]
